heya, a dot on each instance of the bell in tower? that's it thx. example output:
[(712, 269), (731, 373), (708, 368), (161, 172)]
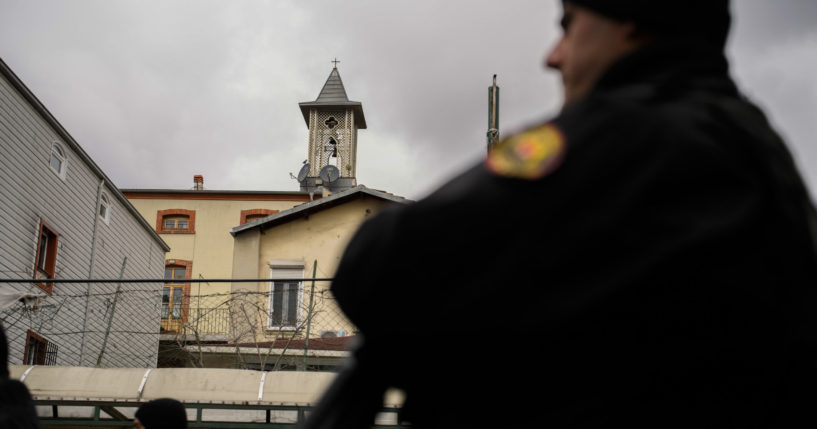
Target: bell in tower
[(333, 122)]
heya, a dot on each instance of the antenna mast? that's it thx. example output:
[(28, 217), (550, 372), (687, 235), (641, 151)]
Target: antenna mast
[(493, 115)]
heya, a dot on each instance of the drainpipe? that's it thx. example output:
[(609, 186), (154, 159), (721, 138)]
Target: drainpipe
[(90, 269)]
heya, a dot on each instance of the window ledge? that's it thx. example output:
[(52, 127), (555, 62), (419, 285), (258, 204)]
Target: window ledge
[(285, 329), (175, 231)]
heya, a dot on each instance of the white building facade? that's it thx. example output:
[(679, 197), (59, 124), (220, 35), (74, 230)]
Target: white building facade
[(62, 218)]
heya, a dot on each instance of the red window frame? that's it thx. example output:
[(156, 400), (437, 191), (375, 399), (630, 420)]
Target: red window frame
[(185, 305), (255, 213), (45, 264), (42, 352), (161, 215)]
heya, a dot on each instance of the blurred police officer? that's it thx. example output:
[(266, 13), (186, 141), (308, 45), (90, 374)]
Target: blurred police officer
[(644, 259)]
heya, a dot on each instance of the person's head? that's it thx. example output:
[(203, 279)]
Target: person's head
[(16, 406), (4, 354), (596, 33), (164, 413)]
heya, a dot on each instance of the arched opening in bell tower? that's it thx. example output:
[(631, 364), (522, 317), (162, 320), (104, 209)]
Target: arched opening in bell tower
[(331, 152)]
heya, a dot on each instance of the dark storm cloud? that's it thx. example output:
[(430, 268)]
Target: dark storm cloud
[(156, 91), (772, 51), (762, 22), (423, 69), (126, 80)]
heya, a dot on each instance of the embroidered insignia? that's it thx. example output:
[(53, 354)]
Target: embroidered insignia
[(530, 155)]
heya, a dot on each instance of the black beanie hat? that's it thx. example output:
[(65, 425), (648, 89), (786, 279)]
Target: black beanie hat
[(164, 413), (706, 20)]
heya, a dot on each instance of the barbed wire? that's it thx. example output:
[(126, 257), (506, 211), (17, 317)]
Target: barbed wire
[(144, 326), (57, 293)]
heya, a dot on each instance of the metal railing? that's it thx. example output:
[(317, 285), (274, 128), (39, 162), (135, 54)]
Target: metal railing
[(198, 320)]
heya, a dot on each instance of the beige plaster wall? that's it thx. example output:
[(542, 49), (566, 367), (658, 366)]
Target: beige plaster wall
[(320, 237), (211, 246)]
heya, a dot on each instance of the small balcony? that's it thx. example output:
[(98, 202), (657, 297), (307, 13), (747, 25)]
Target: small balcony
[(195, 323)]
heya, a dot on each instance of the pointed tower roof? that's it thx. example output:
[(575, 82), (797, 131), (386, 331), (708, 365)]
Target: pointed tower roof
[(333, 90), (332, 96)]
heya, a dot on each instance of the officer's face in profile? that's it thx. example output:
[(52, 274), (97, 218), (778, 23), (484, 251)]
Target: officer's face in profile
[(590, 43)]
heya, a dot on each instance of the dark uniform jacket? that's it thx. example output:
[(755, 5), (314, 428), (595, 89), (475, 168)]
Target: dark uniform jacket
[(644, 259)]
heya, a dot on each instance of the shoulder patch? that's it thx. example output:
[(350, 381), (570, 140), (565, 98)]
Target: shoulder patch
[(530, 155)]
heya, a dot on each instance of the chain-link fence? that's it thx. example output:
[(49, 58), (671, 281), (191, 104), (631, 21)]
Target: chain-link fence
[(290, 326), (101, 324), (267, 325)]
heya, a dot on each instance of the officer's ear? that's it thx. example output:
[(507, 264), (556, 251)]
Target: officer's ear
[(627, 37), (639, 36)]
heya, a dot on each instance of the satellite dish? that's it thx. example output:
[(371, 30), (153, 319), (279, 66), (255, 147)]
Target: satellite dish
[(329, 174), (304, 171)]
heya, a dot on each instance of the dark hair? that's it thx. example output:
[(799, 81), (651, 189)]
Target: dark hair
[(164, 413), (16, 406)]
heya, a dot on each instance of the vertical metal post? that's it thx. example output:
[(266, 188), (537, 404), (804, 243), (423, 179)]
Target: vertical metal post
[(309, 311), (493, 115), (90, 270), (110, 317)]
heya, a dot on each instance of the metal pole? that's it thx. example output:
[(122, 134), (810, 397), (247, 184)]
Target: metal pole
[(309, 311), (90, 269), (110, 317), (493, 115)]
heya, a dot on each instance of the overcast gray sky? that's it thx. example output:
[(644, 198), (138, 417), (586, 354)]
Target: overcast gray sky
[(157, 91)]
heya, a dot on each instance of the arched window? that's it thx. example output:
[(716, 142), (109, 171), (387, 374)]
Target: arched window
[(58, 160), (104, 208), (175, 295), (176, 221), (179, 222), (248, 216), (330, 152)]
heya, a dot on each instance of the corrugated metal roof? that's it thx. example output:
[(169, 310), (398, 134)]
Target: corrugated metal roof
[(333, 90)]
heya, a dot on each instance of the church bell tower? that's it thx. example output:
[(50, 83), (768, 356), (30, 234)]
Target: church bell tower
[(333, 122)]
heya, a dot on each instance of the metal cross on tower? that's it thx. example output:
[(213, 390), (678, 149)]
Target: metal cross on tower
[(335, 61)]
